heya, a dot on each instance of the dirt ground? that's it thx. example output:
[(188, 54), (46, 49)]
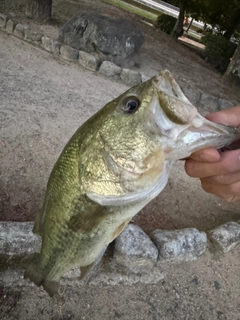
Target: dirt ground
[(43, 101)]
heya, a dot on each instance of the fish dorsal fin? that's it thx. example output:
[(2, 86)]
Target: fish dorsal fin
[(88, 218), (133, 197)]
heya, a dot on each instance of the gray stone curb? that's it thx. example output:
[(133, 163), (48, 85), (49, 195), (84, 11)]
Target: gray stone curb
[(180, 245), (3, 20), (89, 61), (105, 68), (51, 45), (134, 249), (10, 25), (69, 53), (226, 236), (136, 258)]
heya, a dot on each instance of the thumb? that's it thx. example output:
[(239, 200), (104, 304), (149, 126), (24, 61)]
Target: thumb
[(229, 117)]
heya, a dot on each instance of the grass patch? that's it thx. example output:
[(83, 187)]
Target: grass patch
[(136, 8)]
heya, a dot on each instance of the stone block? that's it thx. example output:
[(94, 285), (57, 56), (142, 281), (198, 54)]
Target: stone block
[(180, 245), (116, 39), (10, 26), (69, 53), (33, 35), (130, 77), (20, 30), (134, 250), (89, 61), (226, 236), (109, 69), (3, 20), (51, 45), (17, 238)]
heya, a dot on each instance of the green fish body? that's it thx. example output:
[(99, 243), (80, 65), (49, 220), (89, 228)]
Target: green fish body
[(116, 163)]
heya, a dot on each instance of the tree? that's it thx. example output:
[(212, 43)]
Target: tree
[(41, 9), (233, 69), (233, 25), (220, 16), (186, 8), (178, 28), (225, 18)]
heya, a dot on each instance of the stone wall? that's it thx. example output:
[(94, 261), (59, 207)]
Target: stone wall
[(95, 63)]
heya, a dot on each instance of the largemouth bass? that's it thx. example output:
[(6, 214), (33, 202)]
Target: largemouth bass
[(116, 163)]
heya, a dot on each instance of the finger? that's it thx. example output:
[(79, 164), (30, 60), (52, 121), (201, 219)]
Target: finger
[(230, 193), (225, 179), (229, 163), (229, 117), (205, 155)]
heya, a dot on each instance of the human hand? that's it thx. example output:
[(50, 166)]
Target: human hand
[(219, 172)]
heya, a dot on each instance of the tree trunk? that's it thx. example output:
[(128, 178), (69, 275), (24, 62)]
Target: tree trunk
[(178, 28), (41, 9), (232, 73), (189, 26)]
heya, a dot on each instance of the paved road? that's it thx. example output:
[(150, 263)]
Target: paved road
[(162, 6), (168, 9)]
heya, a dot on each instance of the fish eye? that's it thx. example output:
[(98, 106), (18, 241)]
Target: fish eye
[(130, 104)]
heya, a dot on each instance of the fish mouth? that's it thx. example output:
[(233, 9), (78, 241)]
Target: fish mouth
[(183, 129)]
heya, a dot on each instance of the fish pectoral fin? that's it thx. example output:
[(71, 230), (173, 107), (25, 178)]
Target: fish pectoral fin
[(85, 270), (87, 220)]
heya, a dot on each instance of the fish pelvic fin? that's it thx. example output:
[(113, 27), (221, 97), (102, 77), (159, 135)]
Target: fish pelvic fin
[(119, 229), (85, 270), (38, 223), (34, 273)]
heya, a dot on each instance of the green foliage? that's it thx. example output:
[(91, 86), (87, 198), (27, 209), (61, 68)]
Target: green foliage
[(166, 23), (221, 14), (218, 51)]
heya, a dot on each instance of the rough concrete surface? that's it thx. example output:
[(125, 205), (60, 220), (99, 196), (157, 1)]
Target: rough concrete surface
[(43, 101)]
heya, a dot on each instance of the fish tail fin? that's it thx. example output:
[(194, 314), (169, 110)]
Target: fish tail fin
[(36, 275)]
